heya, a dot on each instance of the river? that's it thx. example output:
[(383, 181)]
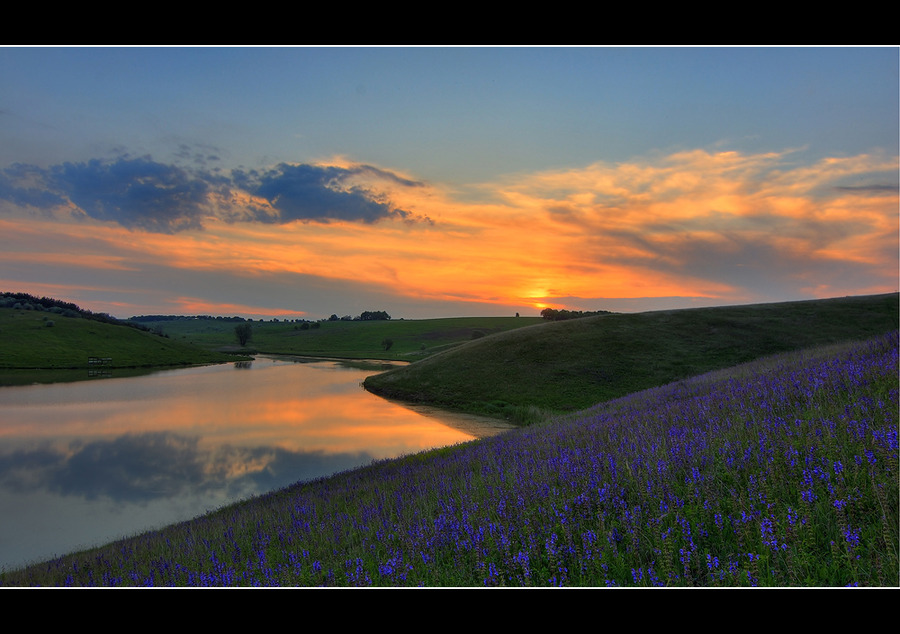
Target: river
[(87, 462)]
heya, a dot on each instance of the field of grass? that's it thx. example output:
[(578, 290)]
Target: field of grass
[(781, 472), (411, 339), (732, 446), (564, 366), (31, 339)]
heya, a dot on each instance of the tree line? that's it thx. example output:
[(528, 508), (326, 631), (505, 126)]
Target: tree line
[(25, 301), (552, 314), (366, 315), (182, 318)]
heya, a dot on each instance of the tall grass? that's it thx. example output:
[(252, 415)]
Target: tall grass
[(782, 472)]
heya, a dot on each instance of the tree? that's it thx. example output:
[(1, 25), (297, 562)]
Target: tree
[(372, 315), (243, 332), (386, 344), (551, 314)]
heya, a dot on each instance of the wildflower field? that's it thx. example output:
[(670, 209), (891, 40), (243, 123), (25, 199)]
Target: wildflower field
[(780, 472)]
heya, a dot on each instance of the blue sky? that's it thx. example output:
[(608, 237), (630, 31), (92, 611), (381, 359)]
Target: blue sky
[(441, 181)]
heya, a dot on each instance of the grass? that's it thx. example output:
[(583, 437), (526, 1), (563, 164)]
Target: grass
[(780, 472), (412, 339), (41, 340), (734, 446), (564, 366)]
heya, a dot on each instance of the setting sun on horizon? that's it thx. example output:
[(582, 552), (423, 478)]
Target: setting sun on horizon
[(446, 181)]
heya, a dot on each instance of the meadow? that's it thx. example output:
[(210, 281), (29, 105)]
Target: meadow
[(526, 374), (42, 340), (411, 339), (779, 472)]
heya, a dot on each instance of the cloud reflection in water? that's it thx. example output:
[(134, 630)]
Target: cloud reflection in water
[(87, 462)]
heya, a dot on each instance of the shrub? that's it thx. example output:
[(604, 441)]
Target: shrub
[(243, 332)]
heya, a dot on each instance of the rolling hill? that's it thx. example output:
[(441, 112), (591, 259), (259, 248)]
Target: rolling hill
[(38, 339), (565, 366)]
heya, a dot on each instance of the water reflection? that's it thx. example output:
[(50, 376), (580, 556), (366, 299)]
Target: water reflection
[(84, 463)]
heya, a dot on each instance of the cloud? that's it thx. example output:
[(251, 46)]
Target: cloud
[(713, 227), (143, 194), (200, 155), (23, 185), (143, 467), (874, 188), (323, 193), (718, 220), (136, 193)]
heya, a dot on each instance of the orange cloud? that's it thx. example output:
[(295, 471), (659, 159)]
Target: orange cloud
[(719, 225), (198, 306)]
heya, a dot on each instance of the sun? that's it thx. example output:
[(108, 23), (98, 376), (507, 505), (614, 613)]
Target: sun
[(536, 295)]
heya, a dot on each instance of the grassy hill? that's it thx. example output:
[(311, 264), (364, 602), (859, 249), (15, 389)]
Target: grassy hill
[(411, 339), (569, 365), (32, 339), (780, 473)]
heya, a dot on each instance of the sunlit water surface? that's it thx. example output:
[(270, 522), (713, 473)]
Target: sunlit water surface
[(84, 463)]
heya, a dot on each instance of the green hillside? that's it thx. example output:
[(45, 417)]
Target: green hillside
[(569, 365), (32, 339), (410, 339)]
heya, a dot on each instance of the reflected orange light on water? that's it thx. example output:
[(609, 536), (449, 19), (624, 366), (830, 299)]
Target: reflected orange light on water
[(295, 407), (110, 457)]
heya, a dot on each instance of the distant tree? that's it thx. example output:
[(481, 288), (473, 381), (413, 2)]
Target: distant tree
[(386, 344), (373, 315), (551, 314), (243, 332)]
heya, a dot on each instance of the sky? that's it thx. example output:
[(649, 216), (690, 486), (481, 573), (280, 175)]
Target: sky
[(301, 182)]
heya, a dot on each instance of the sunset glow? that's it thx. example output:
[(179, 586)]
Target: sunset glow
[(206, 227)]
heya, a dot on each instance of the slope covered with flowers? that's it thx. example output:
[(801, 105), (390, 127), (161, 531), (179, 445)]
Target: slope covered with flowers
[(782, 472)]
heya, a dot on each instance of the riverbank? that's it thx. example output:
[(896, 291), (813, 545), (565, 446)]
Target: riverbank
[(714, 450), (85, 463), (527, 374), (36, 340), (698, 483)]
